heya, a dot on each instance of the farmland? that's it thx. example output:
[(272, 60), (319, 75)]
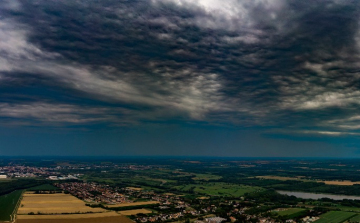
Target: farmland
[(44, 187), (219, 189), (62, 208), (135, 211), (356, 218), (206, 177), (299, 178), (134, 188), (8, 205), (69, 216), (290, 211), (281, 178), (53, 204), (335, 217), (132, 204), (341, 183), (148, 191), (88, 218)]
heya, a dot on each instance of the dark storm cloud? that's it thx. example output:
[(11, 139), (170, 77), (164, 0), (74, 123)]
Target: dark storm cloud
[(271, 63)]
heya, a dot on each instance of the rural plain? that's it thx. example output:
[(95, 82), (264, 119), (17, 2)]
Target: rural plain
[(58, 203)]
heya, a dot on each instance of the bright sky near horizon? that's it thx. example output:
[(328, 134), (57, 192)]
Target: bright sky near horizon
[(180, 77)]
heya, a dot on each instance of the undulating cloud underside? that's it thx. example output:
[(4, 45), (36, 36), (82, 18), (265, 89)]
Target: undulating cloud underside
[(290, 65)]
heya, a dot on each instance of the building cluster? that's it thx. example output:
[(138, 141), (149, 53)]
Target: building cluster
[(160, 217), (65, 177), (309, 219), (212, 220), (137, 167), (167, 202), (20, 171), (107, 166), (93, 192)]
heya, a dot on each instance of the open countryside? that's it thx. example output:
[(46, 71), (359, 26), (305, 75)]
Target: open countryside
[(335, 217), (356, 218), (206, 177), (220, 189), (179, 111), (132, 204), (53, 204), (133, 192), (8, 205), (82, 218), (62, 208), (44, 187), (328, 182), (135, 212), (289, 211), (68, 216)]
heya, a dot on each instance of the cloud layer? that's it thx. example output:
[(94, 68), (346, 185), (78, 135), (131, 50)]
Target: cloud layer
[(289, 64)]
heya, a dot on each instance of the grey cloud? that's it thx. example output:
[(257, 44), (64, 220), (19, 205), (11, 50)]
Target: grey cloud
[(50, 113), (13, 5), (185, 90), (330, 133), (244, 62)]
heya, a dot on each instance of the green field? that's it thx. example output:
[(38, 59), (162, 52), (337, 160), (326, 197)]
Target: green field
[(8, 203), (206, 177), (221, 189), (289, 211), (351, 209), (47, 187), (335, 217), (356, 218)]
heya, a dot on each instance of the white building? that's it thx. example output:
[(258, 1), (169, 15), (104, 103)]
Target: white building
[(53, 177), (215, 220)]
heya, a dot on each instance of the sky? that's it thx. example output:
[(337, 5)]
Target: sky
[(234, 78)]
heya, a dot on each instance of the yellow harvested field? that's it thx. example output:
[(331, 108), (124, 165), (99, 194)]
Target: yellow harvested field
[(281, 178), (332, 182), (247, 166), (203, 198), (135, 211), (132, 204), (342, 183), (81, 218), (135, 188), (195, 161), (70, 216), (53, 204)]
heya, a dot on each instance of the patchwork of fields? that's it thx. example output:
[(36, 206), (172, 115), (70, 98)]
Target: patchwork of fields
[(63, 208)]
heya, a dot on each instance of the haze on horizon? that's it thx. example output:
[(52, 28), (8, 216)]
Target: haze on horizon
[(180, 77)]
